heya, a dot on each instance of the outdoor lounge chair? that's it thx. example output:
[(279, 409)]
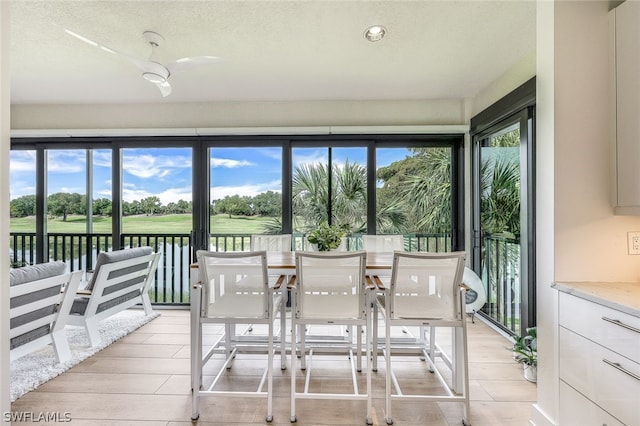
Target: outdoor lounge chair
[(40, 299), (120, 280)]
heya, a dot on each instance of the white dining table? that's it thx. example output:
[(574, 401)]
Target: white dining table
[(284, 263)]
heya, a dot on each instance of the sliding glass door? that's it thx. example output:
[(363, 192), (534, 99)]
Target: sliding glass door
[(503, 220)]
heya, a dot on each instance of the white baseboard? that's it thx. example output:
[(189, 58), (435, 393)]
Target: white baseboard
[(540, 418)]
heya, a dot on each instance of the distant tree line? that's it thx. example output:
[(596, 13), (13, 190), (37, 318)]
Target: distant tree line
[(63, 204)]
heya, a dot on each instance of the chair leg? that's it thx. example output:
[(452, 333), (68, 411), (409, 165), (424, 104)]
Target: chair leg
[(432, 346), (196, 352), (270, 351), (146, 304), (369, 418), (91, 326), (229, 338), (293, 372), (374, 343), (196, 371), (387, 358), (283, 333), (303, 349), (359, 348), (61, 346)]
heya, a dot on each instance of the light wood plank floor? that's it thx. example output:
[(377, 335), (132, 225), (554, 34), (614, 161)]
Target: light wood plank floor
[(143, 380)]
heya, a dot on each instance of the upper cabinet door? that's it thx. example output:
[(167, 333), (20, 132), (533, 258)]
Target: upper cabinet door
[(625, 21)]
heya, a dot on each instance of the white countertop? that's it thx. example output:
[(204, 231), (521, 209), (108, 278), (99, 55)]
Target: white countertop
[(624, 297)]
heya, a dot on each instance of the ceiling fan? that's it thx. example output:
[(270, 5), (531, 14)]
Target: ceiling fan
[(152, 69)]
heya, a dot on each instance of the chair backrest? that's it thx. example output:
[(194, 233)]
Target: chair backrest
[(119, 282), (36, 300), (271, 242), (107, 257), (330, 285), (234, 284), (381, 243), (426, 286)]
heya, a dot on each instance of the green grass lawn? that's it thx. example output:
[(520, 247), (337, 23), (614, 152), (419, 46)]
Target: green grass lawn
[(165, 224)]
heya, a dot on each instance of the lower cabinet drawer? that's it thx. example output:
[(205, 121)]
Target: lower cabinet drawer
[(605, 377), (576, 410), (612, 329)]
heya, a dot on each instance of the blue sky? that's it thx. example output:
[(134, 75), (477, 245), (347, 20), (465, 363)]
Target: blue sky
[(166, 172)]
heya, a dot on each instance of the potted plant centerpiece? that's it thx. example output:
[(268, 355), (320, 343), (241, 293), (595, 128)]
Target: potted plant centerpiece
[(525, 352), (326, 237)]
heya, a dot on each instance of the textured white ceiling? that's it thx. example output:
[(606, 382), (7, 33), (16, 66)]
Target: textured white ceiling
[(271, 50)]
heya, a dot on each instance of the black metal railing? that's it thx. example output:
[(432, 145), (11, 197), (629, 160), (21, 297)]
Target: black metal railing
[(501, 275), (171, 286)]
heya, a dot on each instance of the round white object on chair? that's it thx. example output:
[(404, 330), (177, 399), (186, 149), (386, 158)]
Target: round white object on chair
[(476, 297)]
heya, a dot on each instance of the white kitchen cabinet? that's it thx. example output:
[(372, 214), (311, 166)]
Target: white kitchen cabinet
[(599, 365), (625, 60), (576, 410)]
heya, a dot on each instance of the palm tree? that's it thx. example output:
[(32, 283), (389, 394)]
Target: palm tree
[(418, 190), (500, 196), (310, 196), (428, 195)]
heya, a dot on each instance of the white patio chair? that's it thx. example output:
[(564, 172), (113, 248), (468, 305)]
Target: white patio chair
[(329, 290), (234, 289), (425, 291), (271, 242), (122, 279), (383, 243), (40, 299)]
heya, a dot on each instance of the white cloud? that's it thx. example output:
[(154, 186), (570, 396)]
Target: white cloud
[(71, 190), (104, 193), (66, 161), (250, 190), (20, 188), (102, 158), (173, 195), (146, 166), (228, 163), (131, 193), (273, 154), (22, 162), (312, 158)]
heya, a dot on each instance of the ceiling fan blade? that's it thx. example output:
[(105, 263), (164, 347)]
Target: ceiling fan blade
[(184, 64), (143, 65), (165, 88)]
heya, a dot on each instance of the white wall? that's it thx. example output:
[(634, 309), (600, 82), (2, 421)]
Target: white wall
[(5, 399), (578, 236), (591, 243), (546, 409), (239, 114), (521, 72)]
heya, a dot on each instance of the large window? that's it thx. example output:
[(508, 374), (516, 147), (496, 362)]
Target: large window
[(66, 191), (246, 190), (75, 197), (156, 190), (329, 185), (414, 195), (22, 207)]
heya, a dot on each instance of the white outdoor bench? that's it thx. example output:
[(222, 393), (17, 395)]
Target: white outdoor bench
[(121, 279)]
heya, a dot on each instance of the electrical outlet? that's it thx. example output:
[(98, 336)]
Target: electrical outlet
[(633, 242)]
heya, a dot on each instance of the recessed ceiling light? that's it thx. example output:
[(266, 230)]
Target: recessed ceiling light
[(375, 33)]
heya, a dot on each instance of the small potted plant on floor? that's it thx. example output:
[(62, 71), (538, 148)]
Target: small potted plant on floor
[(525, 352), (326, 237)]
